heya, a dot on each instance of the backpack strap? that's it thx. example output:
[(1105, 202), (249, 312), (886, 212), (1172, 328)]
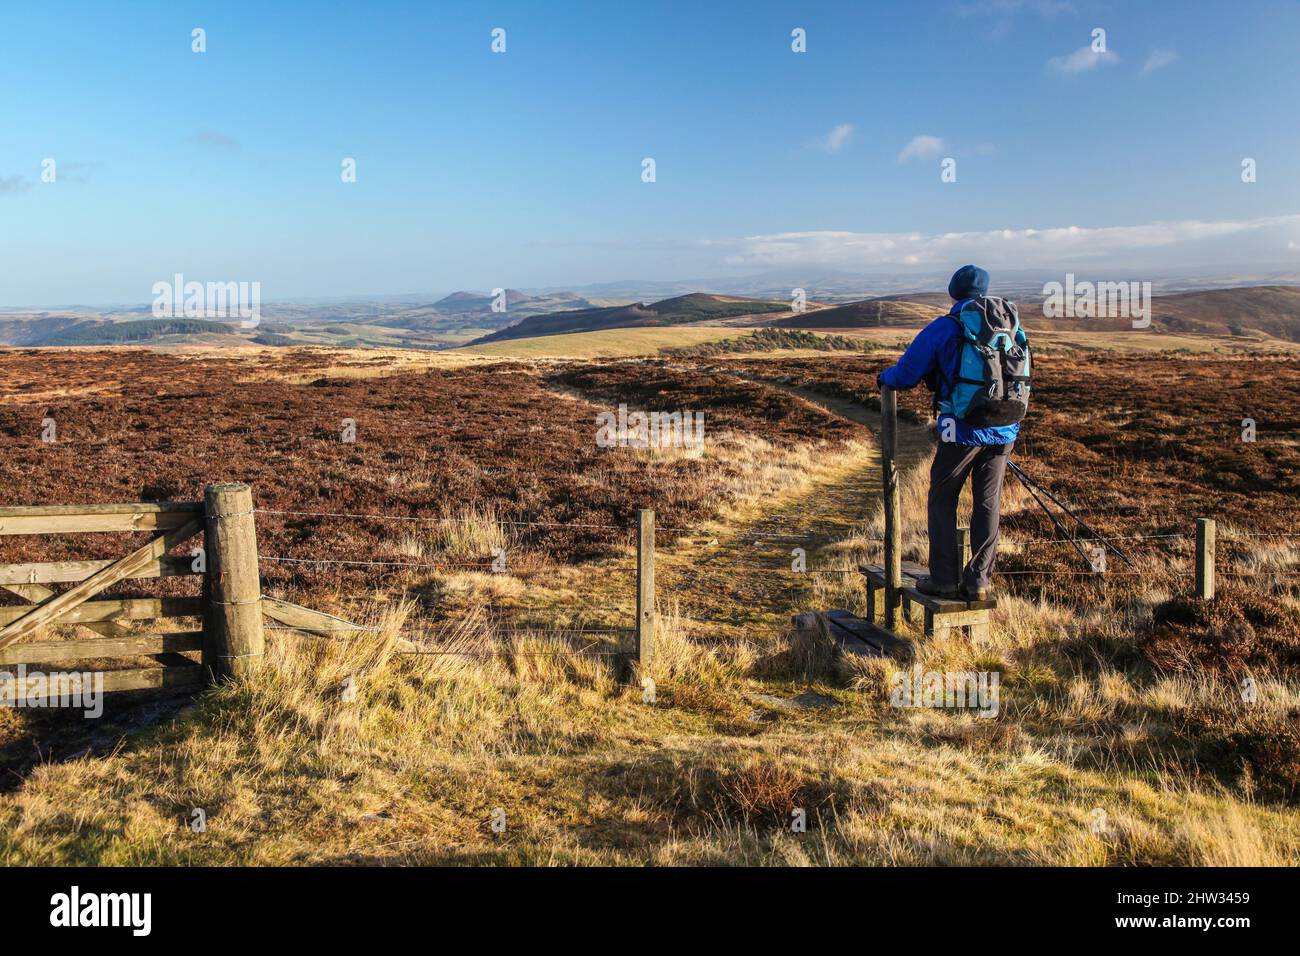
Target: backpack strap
[(949, 386)]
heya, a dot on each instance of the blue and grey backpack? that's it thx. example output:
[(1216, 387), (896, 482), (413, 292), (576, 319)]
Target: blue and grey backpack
[(992, 386)]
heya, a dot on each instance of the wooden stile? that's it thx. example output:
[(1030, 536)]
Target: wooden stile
[(963, 553)]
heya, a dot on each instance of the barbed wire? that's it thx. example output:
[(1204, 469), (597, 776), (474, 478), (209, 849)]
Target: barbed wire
[(1055, 571), (1258, 574), (672, 569), (752, 536), (379, 516), (489, 653), (284, 559), (389, 564), (523, 628)]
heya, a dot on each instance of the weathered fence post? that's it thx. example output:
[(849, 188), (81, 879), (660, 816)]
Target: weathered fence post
[(233, 640), (645, 588), (963, 552), (893, 528), (1205, 558)]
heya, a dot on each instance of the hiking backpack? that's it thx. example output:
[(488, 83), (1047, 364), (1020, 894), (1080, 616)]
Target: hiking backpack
[(992, 386)]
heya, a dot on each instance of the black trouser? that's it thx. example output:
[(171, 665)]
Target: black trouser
[(986, 464)]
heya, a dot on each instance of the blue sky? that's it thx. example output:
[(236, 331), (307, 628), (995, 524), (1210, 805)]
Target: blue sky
[(523, 169)]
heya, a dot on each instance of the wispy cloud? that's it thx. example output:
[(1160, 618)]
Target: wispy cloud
[(1081, 60), (836, 139), (75, 172), (217, 140), (1003, 13), (921, 146), (14, 184), (1007, 8), (1157, 59), (1015, 248)]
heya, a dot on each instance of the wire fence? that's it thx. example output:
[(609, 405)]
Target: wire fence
[(716, 536), (682, 571)]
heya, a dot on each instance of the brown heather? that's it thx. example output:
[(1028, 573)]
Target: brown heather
[(1120, 695)]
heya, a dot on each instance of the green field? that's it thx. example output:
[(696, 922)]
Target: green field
[(606, 343)]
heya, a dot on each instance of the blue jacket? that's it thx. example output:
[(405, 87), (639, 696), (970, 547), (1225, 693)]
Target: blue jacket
[(934, 357)]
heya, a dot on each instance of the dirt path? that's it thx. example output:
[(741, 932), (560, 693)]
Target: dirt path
[(743, 582)]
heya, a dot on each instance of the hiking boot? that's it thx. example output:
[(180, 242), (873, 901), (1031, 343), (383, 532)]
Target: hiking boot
[(927, 585), (976, 594)]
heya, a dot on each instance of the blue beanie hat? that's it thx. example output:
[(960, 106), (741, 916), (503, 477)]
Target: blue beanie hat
[(968, 282)]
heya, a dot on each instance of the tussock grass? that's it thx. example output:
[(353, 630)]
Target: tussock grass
[(410, 769)]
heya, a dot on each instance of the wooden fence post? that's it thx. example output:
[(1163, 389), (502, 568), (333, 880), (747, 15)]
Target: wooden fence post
[(1205, 558), (963, 552), (233, 640), (893, 528), (645, 589)]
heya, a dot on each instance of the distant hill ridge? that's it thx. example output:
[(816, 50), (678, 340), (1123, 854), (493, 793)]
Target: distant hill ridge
[(872, 313), (1252, 311), (679, 310), (1245, 310), (141, 330)]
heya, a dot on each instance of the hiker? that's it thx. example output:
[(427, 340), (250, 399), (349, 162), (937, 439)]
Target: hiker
[(975, 359)]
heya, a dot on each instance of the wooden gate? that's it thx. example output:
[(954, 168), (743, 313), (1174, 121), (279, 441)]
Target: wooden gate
[(225, 620)]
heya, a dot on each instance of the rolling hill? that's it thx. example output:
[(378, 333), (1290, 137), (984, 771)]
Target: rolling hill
[(473, 310), (689, 309), (872, 313), (1244, 311), (143, 331), (1271, 309)]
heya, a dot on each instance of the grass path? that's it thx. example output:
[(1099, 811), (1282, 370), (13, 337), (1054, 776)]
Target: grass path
[(743, 579)]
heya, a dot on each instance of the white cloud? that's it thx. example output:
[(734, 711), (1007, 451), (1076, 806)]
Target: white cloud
[(1157, 59), (836, 139), (1081, 60), (1144, 245), (921, 146)]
